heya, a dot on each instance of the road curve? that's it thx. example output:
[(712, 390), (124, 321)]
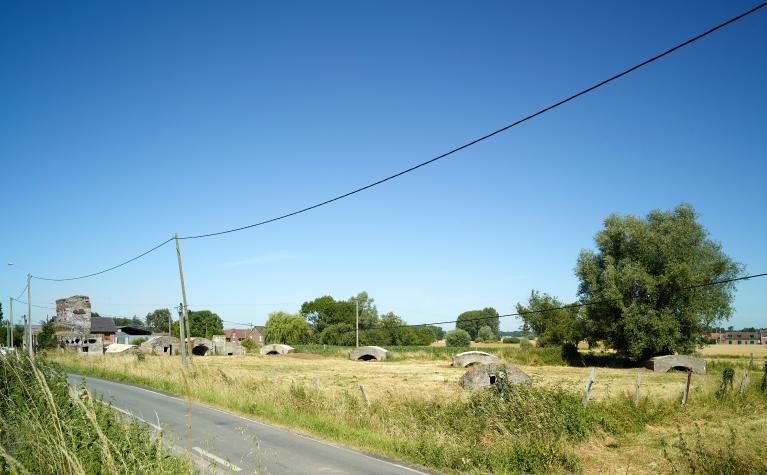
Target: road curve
[(235, 444)]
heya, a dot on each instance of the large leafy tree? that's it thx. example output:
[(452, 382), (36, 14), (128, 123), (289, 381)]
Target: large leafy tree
[(286, 328), (553, 324), (157, 321), (644, 279), (473, 320), (325, 311), (202, 323)]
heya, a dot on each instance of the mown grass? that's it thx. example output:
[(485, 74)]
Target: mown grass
[(522, 429), (45, 427)]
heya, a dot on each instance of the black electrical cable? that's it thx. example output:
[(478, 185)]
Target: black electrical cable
[(489, 135)]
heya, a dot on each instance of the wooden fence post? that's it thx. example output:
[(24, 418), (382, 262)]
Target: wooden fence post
[(636, 389), (317, 383), (272, 375), (744, 383), (364, 395), (589, 384), (686, 392)]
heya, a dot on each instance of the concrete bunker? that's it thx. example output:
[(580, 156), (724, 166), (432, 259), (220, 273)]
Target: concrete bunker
[(468, 358), (161, 345), (368, 353), (492, 374), (276, 349), (662, 364), (201, 346)]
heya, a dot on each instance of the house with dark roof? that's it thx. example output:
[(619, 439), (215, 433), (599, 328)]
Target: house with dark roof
[(105, 327), (255, 333)]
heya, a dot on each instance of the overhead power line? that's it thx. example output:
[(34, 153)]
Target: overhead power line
[(438, 157), (565, 307), (105, 270), (24, 291), (489, 135)]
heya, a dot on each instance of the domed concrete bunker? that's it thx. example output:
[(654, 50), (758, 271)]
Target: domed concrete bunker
[(468, 358), (492, 374), (276, 349), (662, 364), (368, 353), (201, 346)]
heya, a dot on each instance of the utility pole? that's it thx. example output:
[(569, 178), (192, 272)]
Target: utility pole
[(29, 315), (357, 312), (10, 325), (182, 334), (185, 309), (170, 322)]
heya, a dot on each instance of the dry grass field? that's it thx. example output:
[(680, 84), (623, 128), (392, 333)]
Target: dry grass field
[(423, 386), (729, 351)]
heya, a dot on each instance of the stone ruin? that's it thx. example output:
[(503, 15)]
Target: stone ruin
[(492, 374), (661, 364), (223, 347), (161, 345), (73, 314), (201, 346), (276, 349), (92, 345), (468, 358), (369, 353)]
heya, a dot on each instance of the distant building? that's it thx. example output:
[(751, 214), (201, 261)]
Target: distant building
[(127, 334), (237, 334), (739, 338), (105, 327)]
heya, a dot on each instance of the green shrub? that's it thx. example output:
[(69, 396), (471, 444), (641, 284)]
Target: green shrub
[(485, 334), (249, 345), (457, 337), (525, 343), (696, 455), (138, 341), (140, 357), (510, 339), (45, 428)]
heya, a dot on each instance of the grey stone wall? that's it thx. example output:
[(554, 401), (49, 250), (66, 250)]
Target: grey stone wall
[(73, 314)]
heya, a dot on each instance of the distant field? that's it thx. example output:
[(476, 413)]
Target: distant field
[(759, 351), (420, 414)]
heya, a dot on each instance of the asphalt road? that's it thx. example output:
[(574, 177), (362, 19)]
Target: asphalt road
[(233, 444)]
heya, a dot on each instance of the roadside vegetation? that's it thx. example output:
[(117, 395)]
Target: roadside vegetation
[(46, 427), (419, 415)]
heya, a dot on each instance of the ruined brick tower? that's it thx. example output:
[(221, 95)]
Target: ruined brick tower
[(73, 314)]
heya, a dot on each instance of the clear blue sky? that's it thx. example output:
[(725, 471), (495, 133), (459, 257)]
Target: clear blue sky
[(122, 123)]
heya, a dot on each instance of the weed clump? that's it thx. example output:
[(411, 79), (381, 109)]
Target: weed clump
[(47, 428)]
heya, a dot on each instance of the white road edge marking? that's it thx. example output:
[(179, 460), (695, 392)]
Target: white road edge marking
[(133, 416), (217, 459), (253, 421)]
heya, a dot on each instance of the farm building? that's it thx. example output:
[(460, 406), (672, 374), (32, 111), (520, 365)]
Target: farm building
[(105, 327), (127, 334), (238, 334), (739, 338)]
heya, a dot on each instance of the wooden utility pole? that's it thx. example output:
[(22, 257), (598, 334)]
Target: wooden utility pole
[(185, 309), (182, 334), (357, 312), (10, 325), (29, 316)]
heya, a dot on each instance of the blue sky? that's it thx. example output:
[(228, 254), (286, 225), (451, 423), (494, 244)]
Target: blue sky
[(123, 123)]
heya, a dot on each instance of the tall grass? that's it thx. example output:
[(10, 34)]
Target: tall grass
[(46, 427), (521, 429)]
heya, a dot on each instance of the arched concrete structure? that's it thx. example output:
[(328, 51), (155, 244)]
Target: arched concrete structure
[(121, 349), (201, 346), (661, 364), (276, 349), (487, 375), (369, 353), (468, 358), (161, 345)]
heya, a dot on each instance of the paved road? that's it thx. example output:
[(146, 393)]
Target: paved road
[(234, 444)]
